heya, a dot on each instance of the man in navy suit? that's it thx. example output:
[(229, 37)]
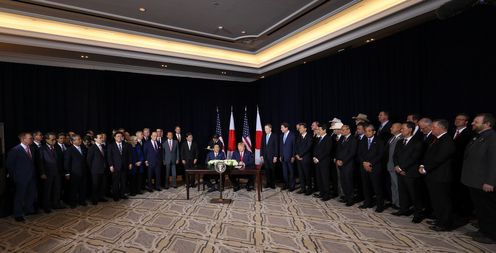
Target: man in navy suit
[(215, 154), (98, 164), (119, 162), (370, 155), (303, 152), (286, 156), (50, 173), (268, 155), (153, 161), (170, 149), (244, 159), (76, 171), (21, 168)]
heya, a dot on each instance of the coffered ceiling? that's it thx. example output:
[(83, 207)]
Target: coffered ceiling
[(217, 39)]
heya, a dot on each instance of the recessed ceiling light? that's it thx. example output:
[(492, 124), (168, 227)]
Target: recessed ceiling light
[(224, 72), (243, 32), (220, 27), (262, 77), (369, 40), (142, 9), (163, 65), (341, 50), (304, 62), (84, 57)]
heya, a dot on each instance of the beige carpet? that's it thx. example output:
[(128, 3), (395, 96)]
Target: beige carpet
[(282, 222)]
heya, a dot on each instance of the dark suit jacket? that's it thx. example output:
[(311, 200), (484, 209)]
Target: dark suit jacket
[(96, 160), (189, 154), (75, 162), (374, 155), (385, 133), (408, 157), (271, 149), (322, 150), (461, 143), (438, 159), (211, 156), (479, 164), (170, 155), (211, 144), (152, 156), (119, 161), (247, 158), (346, 150), (287, 149), (21, 168), (49, 161), (303, 147)]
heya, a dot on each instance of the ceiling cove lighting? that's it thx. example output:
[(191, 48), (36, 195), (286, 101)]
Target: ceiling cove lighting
[(60, 31)]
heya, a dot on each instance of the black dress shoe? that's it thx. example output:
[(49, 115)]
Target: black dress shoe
[(83, 203), (431, 222), (418, 218), (273, 187), (350, 203), (20, 219), (291, 189), (308, 193), (167, 188), (342, 201), (124, 197), (316, 195), (132, 194), (326, 198), (116, 199), (47, 210), (235, 188), (59, 207), (73, 206), (301, 191), (439, 228), (379, 209), (399, 213), (484, 239), (150, 190), (103, 200), (364, 206), (94, 203), (158, 189), (474, 234), (211, 189)]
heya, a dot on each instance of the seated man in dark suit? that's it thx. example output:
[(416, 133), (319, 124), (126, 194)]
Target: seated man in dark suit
[(76, 171), (215, 154), (21, 168), (244, 159)]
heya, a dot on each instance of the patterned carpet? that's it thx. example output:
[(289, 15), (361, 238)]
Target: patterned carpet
[(282, 222)]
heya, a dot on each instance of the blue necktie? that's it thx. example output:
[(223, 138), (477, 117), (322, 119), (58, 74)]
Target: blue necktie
[(370, 142), (284, 138), (267, 139)]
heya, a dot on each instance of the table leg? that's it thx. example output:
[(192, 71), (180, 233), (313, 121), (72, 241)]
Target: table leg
[(259, 188), (187, 186)]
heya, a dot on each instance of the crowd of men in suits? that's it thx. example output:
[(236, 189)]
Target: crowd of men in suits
[(415, 166), (56, 168)]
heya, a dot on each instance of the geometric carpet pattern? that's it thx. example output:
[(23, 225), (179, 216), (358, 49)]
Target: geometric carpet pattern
[(282, 222)]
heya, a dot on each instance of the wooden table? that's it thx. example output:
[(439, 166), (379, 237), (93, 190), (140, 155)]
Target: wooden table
[(199, 172)]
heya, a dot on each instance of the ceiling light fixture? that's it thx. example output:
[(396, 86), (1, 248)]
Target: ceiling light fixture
[(341, 50), (262, 77), (369, 40), (224, 72), (304, 62), (142, 9), (243, 32), (163, 66), (220, 27), (84, 57)]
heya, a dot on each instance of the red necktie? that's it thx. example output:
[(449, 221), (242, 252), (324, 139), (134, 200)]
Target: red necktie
[(456, 134), (241, 158)]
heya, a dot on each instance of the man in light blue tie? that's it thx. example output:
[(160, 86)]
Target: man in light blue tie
[(287, 156)]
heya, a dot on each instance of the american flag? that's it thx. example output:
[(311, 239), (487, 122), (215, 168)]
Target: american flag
[(246, 133), (218, 129)]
